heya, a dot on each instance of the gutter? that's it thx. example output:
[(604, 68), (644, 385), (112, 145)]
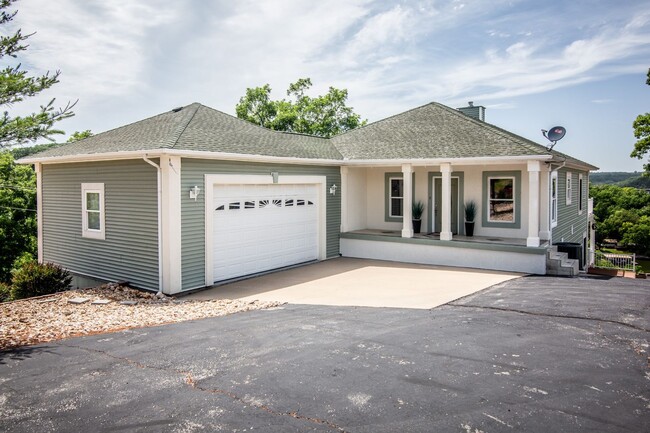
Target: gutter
[(160, 246)]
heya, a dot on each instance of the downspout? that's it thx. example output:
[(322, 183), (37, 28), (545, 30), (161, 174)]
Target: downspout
[(159, 183), (550, 217)]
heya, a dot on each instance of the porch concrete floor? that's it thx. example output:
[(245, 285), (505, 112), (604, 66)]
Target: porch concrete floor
[(460, 238), (359, 282)]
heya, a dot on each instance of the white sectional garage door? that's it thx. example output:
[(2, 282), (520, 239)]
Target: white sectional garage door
[(261, 227)]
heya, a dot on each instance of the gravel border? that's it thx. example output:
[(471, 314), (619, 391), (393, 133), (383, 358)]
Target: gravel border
[(53, 317)]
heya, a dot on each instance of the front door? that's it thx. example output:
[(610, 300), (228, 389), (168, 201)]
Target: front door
[(437, 205)]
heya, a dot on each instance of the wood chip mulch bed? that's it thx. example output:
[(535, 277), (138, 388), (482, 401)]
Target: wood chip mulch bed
[(52, 317)]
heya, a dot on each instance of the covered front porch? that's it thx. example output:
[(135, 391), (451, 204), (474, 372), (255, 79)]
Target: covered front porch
[(481, 252), (511, 227)]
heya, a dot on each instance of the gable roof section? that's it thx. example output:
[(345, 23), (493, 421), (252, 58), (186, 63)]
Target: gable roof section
[(198, 128)]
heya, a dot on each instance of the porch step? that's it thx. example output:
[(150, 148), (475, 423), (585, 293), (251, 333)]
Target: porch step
[(560, 265)]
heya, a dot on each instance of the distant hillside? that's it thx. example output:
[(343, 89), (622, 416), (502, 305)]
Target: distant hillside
[(635, 180)]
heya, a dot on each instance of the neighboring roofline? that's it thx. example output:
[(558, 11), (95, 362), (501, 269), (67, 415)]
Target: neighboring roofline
[(196, 154)]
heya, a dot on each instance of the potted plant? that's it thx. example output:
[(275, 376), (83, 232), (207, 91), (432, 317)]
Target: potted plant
[(470, 214), (416, 213)]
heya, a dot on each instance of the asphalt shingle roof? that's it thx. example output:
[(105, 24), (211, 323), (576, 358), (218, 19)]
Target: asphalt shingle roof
[(429, 132), (432, 131), (199, 128)]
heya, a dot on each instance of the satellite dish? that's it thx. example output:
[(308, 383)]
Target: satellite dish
[(554, 135)]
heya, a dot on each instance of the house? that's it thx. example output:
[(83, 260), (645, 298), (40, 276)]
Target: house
[(193, 196)]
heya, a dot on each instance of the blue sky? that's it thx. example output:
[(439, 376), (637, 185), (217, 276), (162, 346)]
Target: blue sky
[(580, 64)]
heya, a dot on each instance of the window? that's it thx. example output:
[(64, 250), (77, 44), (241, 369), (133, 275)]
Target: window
[(581, 194), (92, 204), (569, 188), (501, 199), (501, 204), (395, 197), (554, 199)]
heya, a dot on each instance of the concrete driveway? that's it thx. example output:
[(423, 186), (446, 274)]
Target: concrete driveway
[(533, 354), (364, 283)]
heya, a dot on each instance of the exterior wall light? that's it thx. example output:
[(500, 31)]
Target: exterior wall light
[(333, 189), (194, 192)]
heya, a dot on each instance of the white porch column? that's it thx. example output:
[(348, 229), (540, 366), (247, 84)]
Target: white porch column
[(534, 168), (407, 219), (171, 223), (344, 199), (445, 229)]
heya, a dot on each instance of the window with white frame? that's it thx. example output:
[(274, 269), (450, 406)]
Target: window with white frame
[(554, 199), (395, 197), (581, 193), (569, 188), (92, 205), (501, 199)]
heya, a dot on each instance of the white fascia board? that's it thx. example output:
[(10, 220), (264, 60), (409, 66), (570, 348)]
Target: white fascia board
[(155, 153), (486, 160)]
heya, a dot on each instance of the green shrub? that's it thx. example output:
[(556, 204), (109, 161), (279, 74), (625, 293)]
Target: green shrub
[(35, 279), (5, 292)]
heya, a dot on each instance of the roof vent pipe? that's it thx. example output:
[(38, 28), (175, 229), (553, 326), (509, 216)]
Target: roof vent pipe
[(475, 112)]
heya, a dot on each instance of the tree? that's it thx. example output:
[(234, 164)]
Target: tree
[(17, 213), (80, 135), (324, 116), (16, 85), (622, 213), (642, 133)]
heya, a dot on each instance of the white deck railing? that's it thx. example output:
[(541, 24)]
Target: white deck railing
[(615, 261)]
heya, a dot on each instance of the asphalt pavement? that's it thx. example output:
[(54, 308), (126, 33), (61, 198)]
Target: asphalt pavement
[(534, 354)]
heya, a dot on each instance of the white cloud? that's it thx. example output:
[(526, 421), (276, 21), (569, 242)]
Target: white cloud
[(525, 69), (98, 46)]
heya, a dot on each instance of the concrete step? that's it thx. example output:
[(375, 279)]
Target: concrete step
[(559, 264)]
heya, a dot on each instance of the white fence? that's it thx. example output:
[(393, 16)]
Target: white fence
[(615, 261)]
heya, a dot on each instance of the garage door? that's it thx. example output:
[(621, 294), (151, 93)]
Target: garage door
[(261, 227)]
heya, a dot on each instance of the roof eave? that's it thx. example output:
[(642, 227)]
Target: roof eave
[(155, 153)]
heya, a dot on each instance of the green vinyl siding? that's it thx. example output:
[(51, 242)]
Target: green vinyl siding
[(193, 212), (569, 216), (130, 250)]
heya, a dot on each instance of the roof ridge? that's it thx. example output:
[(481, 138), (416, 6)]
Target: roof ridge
[(264, 127), (382, 120), (183, 125), (493, 128)]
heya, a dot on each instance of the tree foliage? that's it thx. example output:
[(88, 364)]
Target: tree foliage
[(16, 85), (17, 213), (641, 127), (80, 135), (324, 115), (622, 213)]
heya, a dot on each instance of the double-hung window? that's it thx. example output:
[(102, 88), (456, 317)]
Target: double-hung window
[(554, 199), (581, 193), (396, 197), (93, 215), (569, 188)]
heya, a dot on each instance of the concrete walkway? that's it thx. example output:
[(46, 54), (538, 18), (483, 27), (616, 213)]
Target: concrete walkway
[(364, 283)]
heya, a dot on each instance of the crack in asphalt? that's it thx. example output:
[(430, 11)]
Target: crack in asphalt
[(561, 316), (189, 380)]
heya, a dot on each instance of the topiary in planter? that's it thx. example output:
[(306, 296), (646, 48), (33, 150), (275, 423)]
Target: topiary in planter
[(36, 279)]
